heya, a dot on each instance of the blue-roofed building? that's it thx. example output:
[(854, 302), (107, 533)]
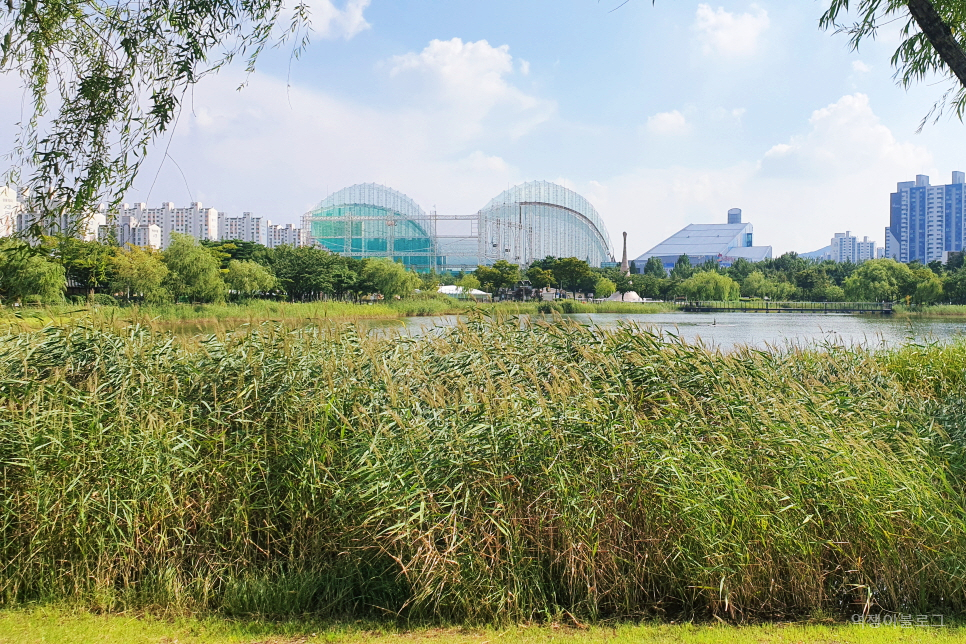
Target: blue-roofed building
[(723, 243)]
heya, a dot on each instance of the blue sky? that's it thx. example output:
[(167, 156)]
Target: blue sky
[(661, 115)]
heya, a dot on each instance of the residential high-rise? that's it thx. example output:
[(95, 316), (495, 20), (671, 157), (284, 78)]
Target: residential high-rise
[(287, 235), (846, 248), (926, 221), (245, 228), (84, 227), (195, 220), (129, 230), (9, 207)]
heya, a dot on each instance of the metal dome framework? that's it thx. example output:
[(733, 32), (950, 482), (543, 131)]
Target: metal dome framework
[(372, 220), (524, 223), (540, 219)]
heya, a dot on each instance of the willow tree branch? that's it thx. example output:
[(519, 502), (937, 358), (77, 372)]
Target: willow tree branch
[(940, 35)]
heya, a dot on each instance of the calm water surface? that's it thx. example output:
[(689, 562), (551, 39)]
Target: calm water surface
[(726, 330)]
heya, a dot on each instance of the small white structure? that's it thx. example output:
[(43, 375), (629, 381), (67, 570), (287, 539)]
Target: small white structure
[(630, 296), (461, 293)]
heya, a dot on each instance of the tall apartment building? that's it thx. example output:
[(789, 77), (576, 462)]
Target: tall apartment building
[(9, 207), (926, 221), (195, 220), (85, 227), (846, 248), (287, 235), (245, 228), (128, 230)]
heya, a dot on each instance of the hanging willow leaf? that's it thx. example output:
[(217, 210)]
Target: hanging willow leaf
[(932, 43), (105, 79)]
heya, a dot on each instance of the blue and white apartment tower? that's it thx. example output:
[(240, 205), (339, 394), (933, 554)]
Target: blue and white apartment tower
[(926, 222)]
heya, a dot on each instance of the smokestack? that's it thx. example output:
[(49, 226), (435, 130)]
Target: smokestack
[(625, 269)]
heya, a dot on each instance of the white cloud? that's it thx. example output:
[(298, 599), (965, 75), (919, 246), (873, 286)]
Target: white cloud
[(668, 123), (277, 151), (729, 34), (720, 113), (859, 66), (471, 78), (330, 22), (835, 175), (480, 162), (525, 67), (846, 137)]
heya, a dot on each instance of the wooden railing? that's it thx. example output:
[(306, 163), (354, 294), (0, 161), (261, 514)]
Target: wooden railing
[(765, 306)]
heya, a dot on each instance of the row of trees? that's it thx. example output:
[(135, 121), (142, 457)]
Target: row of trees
[(568, 273), (793, 278), (785, 278), (214, 271), (189, 271)]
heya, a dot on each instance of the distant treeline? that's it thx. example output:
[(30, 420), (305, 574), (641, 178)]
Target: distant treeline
[(794, 278), (192, 271)]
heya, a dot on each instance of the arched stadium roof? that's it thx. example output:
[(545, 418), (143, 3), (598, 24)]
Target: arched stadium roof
[(373, 194), (552, 194)]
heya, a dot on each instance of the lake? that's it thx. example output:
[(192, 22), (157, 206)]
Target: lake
[(726, 330)]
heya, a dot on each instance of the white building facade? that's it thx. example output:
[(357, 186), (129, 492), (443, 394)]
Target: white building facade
[(245, 228), (846, 248), (86, 229), (9, 207), (195, 220), (287, 235)]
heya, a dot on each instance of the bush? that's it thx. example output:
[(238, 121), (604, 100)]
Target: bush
[(548, 308), (103, 299)]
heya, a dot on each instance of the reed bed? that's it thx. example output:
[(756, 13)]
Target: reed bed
[(494, 471), (942, 311), (198, 318)]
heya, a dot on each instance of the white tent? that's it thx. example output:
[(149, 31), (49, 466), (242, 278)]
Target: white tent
[(630, 296), (460, 292)]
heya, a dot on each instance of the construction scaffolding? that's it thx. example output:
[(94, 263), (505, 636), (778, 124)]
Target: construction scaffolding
[(525, 223)]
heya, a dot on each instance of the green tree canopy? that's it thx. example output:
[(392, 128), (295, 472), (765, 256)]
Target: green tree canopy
[(389, 278), (954, 287), (248, 278), (502, 274), (682, 268), (193, 271), (306, 272), (540, 278), (709, 286), (879, 280), (573, 274), (139, 272), (85, 262), (604, 288), (27, 275), (928, 287), (655, 268)]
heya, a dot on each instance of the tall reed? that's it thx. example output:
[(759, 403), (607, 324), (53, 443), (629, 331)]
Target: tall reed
[(493, 471)]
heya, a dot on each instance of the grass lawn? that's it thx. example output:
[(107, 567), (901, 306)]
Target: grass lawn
[(55, 626)]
